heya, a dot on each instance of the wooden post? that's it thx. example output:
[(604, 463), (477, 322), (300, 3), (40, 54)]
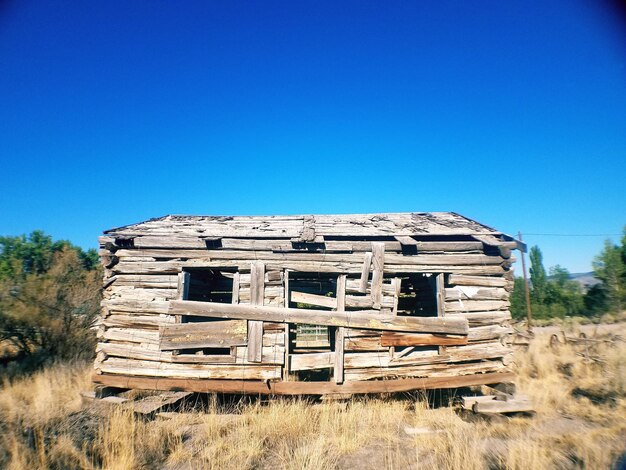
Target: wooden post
[(183, 285), (340, 331), (255, 328), (441, 302), (526, 289), (184, 281), (286, 366), (365, 272), (378, 263), (235, 297)]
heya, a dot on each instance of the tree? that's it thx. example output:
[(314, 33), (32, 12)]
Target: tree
[(21, 256), (563, 294), (538, 276), (609, 268), (49, 297), (518, 299)]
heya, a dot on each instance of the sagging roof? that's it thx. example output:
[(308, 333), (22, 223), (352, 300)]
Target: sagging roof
[(307, 227)]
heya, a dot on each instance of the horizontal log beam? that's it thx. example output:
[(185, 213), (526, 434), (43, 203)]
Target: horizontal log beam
[(468, 280), (147, 267), (392, 338), (298, 388), (445, 259), (366, 319)]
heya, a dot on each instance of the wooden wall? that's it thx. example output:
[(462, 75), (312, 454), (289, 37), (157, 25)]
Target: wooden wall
[(144, 331)]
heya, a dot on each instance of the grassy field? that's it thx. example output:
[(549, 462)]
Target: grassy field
[(580, 422)]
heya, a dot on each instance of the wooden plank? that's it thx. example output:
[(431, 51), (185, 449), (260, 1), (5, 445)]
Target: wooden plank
[(378, 266), (214, 334), (392, 338), (270, 355), (183, 285), (136, 306), (468, 402), (224, 256), (148, 281), (365, 272), (288, 347), (467, 280), (452, 354), (476, 293), (313, 299), (443, 369), (422, 246), (299, 388), (257, 296), (368, 319), (406, 240), (416, 264), (311, 361), (495, 317), (148, 241), (152, 404), (517, 404), (354, 286), (236, 283), (140, 293), (441, 303), (138, 321), (132, 335), (365, 302), (397, 287), (476, 305), (367, 343), (340, 331), (114, 365)]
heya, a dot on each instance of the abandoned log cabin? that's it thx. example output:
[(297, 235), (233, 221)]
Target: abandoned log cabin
[(314, 304)]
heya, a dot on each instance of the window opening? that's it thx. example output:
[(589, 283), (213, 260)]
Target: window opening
[(418, 295), (207, 285)]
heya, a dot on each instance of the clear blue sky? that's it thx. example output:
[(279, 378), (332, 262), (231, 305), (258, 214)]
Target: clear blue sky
[(512, 113)]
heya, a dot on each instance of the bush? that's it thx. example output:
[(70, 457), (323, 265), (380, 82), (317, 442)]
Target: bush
[(48, 302)]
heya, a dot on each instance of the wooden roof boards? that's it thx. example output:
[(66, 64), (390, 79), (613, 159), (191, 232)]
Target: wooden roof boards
[(309, 227)]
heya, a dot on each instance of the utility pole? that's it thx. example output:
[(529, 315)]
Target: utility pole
[(526, 289)]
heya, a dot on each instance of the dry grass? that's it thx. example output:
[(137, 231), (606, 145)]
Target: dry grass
[(580, 423)]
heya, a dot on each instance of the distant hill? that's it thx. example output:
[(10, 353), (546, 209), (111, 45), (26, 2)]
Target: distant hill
[(586, 280)]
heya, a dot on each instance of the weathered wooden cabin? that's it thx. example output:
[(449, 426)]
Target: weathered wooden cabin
[(313, 304)]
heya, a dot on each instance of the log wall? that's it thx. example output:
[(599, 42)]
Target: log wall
[(151, 328)]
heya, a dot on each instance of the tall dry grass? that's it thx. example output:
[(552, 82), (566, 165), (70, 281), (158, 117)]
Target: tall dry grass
[(580, 423)]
